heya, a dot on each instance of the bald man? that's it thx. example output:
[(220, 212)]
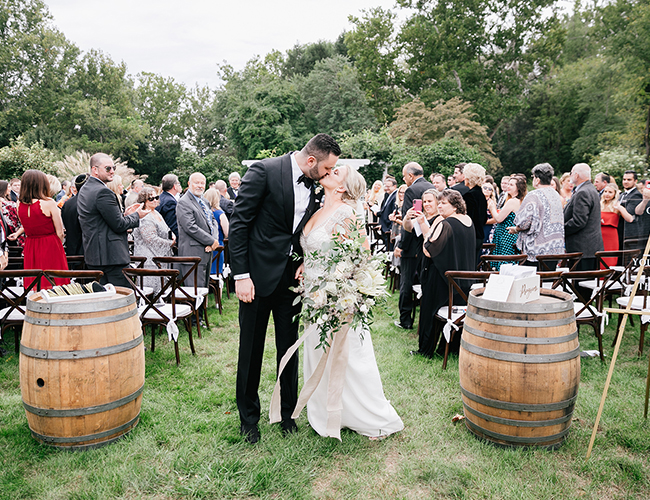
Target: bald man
[(196, 229)]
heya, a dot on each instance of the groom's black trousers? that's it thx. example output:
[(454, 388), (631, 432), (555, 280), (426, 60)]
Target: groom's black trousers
[(253, 321)]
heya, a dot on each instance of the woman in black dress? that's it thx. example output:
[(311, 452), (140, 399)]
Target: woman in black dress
[(449, 245)]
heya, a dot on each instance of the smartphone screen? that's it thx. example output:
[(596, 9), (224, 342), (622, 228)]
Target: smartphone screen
[(417, 205)]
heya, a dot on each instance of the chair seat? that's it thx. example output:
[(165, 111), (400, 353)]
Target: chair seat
[(200, 292), (637, 303), (17, 291), (146, 290), (14, 315), (182, 311), (456, 312), (594, 284), (584, 314)]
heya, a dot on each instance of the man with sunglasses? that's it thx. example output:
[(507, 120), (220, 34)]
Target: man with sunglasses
[(104, 227)]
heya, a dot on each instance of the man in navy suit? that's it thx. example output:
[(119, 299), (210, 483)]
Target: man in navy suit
[(387, 208), (276, 198), (171, 186)]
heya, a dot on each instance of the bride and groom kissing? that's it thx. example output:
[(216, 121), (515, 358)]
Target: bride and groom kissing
[(276, 215)]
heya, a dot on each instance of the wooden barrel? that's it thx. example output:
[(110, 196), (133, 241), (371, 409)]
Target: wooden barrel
[(82, 369), (520, 369)]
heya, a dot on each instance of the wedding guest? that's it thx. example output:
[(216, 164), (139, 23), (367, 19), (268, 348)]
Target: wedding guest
[(438, 181), (213, 197), (600, 181), (396, 219), (611, 211), (448, 245), (582, 218), (629, 199), (540, 220), (565, 187), (423, 218), (171, 187), (234, 179), (503, 197), (555, 184), (504, 218), (407, 249), (373, 200), (14, 185), (225, 204), (476, 205), (459, 179), (152, 237), (132, 196), (450, 180), (10, 215), (116, 186), (42, 224), (55, 185), (488, 192), (70, 216), (387, 208)]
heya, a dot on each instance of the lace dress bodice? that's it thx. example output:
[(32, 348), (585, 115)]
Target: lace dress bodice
[(321, 234)]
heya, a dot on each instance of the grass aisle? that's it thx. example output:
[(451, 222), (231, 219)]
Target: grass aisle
[(187, 444)]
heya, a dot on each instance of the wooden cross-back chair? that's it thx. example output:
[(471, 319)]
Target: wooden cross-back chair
[(452, 316), (14, 299), (641, 302), (153, 311), (194, 296), (550, 262), (487, 262), (589, 309)]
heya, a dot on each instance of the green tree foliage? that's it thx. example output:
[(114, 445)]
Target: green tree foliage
[(616, 161), (301, 59), (419, 125), (215, 166), (334, 101), (18, 157), (374, 48)]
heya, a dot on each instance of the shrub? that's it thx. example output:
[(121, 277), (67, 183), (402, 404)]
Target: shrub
[(18, 157)]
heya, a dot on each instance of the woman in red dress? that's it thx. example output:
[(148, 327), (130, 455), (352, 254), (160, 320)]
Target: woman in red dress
[(42, 224), (610, 212)]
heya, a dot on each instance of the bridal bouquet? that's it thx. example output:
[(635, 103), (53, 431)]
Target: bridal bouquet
[(347, 285)]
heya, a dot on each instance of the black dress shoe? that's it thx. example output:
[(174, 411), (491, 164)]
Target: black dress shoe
[(250, 433), (288, 427), (403, 327)]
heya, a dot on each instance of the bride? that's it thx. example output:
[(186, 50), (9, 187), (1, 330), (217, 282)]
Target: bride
[(362, 406)]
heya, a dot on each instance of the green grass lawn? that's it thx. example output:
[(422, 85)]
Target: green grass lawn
[(187, 443)]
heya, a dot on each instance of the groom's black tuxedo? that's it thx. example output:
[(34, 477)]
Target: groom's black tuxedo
[(261, 242)]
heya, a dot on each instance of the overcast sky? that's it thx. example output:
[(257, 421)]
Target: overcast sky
[(187, 39)]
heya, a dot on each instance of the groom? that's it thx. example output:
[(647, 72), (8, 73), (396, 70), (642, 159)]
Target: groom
[(275, 200)]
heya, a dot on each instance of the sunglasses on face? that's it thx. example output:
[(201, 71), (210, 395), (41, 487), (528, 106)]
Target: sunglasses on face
[(110, 168), (154, 198)]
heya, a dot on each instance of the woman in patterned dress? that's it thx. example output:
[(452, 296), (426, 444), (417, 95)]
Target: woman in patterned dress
[(505, 218)]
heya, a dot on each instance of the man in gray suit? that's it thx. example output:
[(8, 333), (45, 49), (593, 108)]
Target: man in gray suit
[(103, 226), (582, 218), (195, 228)]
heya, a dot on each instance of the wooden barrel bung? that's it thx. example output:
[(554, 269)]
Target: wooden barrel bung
[(82, 369), (520, 369)]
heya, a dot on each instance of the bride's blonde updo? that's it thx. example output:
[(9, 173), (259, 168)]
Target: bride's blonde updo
[(355, 186)]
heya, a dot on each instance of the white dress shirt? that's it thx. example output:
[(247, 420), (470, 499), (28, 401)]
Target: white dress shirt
[(301, 194)]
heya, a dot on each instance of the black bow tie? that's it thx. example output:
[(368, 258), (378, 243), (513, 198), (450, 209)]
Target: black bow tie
[(307, 181)]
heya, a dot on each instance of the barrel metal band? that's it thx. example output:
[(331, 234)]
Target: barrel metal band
[(521, 340), (518, 423), (81, 354), (79, 412), (525, 407), (40, 306), (520, 323), (520, 358), (80, 322), (92, 446), (541, 440), (89, 437)]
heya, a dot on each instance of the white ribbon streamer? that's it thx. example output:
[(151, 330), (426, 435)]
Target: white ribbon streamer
[(172, 330), (226, 271), (446, 330)]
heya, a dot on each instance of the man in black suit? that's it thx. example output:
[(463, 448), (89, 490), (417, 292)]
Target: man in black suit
[(387, 208), (104, 227), (629, 199), (70, 216), (235, 180), (14, 192), (600, 182), (171, 186), (459, 177), (582, 218), (409, 249), (275, 200), (225, 204)]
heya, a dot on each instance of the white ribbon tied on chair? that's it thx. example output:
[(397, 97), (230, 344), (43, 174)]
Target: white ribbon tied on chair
[(226, 271), (604, 319), (199, 300), (172, 330), (446, 330)]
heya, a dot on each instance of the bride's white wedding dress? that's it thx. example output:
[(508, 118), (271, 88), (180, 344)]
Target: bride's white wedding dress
[(365, 409)]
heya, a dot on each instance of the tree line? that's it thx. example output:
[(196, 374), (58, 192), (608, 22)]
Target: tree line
[(508, 83)]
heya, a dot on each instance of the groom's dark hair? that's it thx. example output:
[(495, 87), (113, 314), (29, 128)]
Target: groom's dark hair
[(321, 146)]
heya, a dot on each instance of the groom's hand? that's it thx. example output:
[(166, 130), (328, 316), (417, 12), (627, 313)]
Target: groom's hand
[(245, 290)]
